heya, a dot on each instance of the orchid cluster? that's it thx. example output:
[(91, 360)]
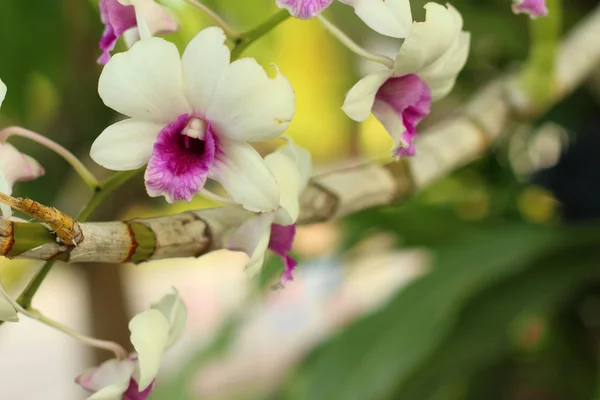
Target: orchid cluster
[(193, 117)]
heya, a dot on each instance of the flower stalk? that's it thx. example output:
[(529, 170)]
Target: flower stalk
[(228, 29), (352, 45), (69, 157), (536, 80)]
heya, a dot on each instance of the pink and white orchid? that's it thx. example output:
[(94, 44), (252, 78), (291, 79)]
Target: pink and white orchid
[(275, 230), (132, 19), (14, 165), (152, 332), (424, 70), (534, 8), (192, 119), (391, 17)]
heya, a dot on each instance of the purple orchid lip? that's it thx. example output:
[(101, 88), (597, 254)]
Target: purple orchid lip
[(116, 18), (181, 160), (280, 243), (410, 98), (304, 9), (133, 391)]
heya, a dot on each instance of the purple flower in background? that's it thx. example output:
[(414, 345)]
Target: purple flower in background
[(131, 19), (535, 8)]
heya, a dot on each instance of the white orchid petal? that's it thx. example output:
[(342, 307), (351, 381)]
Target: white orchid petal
[(248, 105), (145, 82), (3, 90), (16, 166), (428, 40), (441, 75), (359, 100), (245, 177), (149, 336), (390, 17), (301, 157), (109, 380), (175, 311), (252, 237), (153, 19), (125, 145), (205, 59), (391, 121), (285, 171)]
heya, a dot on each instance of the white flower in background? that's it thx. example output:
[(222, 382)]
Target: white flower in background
[(534, 8), (131, 19), (275, 230), (192, 119), (387, 17), (14, 165), (424, 70), (152, 332)]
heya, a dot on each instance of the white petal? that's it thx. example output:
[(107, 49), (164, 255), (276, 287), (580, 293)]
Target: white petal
[(175, 311), (284, 166), (205, 59), (125, 145), (3, 90), (245, 177), (391, 121), (302, 158), (441, 75), (429, 40), (130, 36), (387, 17), (145, 82), (16, 166), (153, 19), (149, 336), (109, 380), (248, 105), (252, 237), (359, 100)]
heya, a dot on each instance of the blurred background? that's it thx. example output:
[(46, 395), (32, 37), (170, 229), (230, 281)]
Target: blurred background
[(485, 285)]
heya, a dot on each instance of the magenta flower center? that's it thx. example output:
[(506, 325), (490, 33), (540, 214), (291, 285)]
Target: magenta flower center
[(180, 163)]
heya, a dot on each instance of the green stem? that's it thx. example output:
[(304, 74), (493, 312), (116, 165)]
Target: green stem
[(107, 187), (538, 73), (253, 35), (229, 31)]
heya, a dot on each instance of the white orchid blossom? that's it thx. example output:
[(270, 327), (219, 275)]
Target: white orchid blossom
[(291, 166), (192, 119), (152, 332), (424, 70)]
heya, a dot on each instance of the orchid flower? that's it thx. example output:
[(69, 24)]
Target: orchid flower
[(152, 332), (534, 8), (191, 119), (14, 165), (275, 230), (132, 19), (424, 70), (390, 17)]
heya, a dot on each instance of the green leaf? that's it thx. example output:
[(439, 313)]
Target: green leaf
[(379, 353), (483, 336)]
